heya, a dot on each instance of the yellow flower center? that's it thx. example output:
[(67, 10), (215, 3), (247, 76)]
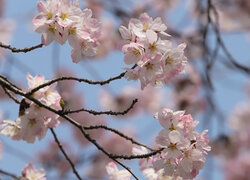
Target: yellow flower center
[(149, 66), (52, 28), (172, 146), (49, 15), (136, 52), (169, 61), (172, 127), (64, 16), (145, 26), (152, 47), (72, 30)]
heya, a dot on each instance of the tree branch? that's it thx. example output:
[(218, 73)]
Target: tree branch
[(65, 154), (103, 112), (24, 50)]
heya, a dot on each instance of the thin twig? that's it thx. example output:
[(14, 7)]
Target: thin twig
[(8, 174), (118, 133), (142, 156), (11, 96), (103, 112), (6, 84), (221, 42), (24, 50), (65, 154), (79, 80)]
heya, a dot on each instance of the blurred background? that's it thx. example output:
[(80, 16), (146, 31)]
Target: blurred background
[(215, 88)]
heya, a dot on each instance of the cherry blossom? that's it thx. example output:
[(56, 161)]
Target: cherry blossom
[(184, 149), (33, 120), (147, 46), (115, 174), (30, 173), (64, 20)]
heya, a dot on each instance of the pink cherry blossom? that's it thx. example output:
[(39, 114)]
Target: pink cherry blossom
[(133, 53), (64, 20), (184, 148), (30, 173), (47, 95), (147, 46), (115, 174), (34, 120)]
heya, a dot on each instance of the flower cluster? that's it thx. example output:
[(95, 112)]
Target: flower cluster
[(116, 174), (146, 46), (33, 120), (184, 148), (63, 20), (30, 173)]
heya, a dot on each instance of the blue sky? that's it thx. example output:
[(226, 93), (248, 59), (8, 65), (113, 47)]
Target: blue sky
[(228, 87)]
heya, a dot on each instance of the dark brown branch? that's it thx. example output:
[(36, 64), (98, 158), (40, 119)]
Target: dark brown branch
[(11, 96), (16, 90), (65, 154), (221, 42), (118, 133), (76, 79), (8, 174), (103, 112), (136, 156), (24, 50), (93, 141), (79, 80)]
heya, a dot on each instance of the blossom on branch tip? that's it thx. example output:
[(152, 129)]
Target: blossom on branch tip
[(147, 46), (30, 173), (115, 174), (184, 149), (33, 120), (63, 20)]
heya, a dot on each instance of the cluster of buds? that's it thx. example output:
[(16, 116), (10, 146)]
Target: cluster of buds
[(62, 20), (33, 120), (184, 149), (146, 45)]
